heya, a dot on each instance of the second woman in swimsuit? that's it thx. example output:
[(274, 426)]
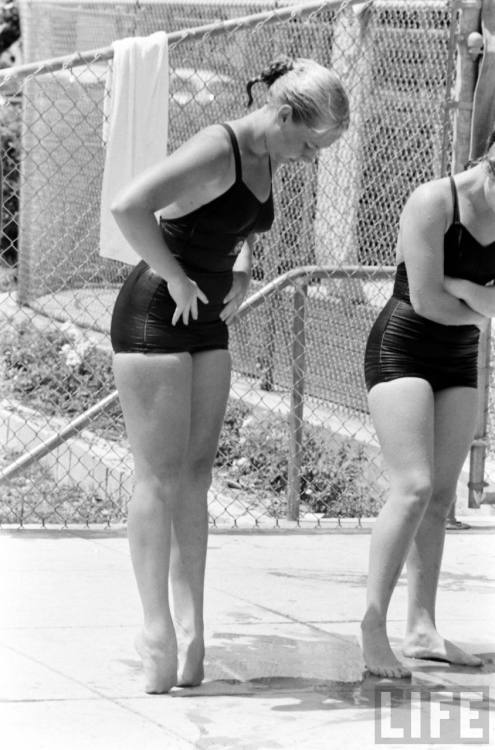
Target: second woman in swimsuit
[(421, 373), (170, 337)]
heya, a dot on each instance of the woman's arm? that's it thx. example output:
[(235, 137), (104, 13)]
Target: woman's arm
[(240, 283), (479, 298), (424, 221), (197, 172), (191, 176)]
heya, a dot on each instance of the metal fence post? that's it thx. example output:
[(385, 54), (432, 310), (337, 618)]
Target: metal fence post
[(465, 83), (477, 455), (296, 402), (481, 125)]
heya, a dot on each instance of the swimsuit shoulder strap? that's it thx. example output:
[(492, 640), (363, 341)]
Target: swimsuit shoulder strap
[(237, 153), (456, 217)]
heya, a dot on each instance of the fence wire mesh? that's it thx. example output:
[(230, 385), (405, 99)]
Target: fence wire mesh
[(297, 446)]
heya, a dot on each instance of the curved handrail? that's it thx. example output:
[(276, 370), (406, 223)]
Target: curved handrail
[(307, 274), (296, 275)]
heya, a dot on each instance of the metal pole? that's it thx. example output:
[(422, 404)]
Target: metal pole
[(60, 437), (450, 75), (465, 83), (481, 126), (296, 403), (175, 37), (477, 456)]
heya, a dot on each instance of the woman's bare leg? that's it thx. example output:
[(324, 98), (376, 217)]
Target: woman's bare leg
[(155, 393), (455, 422), (210, 390), (403, 415)]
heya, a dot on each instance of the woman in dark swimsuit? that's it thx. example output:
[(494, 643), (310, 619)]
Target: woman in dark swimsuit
[(170, 336), (421, 373)]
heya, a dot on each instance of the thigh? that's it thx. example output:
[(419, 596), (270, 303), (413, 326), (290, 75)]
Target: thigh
[(455, 425), (155, 393), (210, 391), (402, 411)]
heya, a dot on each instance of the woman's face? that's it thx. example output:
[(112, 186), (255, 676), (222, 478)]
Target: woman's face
[(298, 142)]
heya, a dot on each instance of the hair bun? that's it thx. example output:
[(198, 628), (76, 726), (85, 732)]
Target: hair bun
[(277, 68), (269, 75)]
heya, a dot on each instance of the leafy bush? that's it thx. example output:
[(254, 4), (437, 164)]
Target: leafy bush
[(59, 372), (333, 478)]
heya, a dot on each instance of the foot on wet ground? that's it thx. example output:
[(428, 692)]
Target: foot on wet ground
[(159, 663), (378, 656), (433, 647), (191, 660)]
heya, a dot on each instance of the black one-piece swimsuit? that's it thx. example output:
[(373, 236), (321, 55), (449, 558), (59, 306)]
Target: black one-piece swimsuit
[(404, 344), (205, 243)]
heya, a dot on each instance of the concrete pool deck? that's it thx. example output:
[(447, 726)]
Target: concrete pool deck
[(283, 666)]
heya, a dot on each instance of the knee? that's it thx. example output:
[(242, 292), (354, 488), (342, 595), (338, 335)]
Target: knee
[(163, 487), (414, 492), (199, 469), (442, 501)]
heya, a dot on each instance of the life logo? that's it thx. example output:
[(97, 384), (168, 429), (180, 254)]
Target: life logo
[(416, 715)]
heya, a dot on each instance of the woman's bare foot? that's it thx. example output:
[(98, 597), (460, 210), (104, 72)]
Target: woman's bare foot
[(378, 656), (431, 645), (191, 658), (159, 662)]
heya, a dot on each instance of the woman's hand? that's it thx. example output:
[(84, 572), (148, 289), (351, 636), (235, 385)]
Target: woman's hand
[(185, 293), (460, 288), (233, 299)]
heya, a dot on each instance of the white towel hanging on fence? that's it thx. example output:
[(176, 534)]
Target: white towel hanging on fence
[(135, 127)]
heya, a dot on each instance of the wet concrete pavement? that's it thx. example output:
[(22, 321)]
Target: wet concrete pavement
[(283, 667)]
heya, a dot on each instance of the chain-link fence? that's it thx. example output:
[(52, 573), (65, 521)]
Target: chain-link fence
[(297, 446)]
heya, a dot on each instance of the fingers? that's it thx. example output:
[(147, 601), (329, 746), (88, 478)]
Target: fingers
[(189, 308), (229, 311), (194, 308), (230, 295), (176, 315), (201, 296)]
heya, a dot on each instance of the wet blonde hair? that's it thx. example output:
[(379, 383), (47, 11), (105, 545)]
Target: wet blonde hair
[(315, 93)]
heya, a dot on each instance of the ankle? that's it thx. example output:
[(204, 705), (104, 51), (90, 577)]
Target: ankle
[(420, 630), (158, 634), (420, 623), (190, 632), (373, 620)]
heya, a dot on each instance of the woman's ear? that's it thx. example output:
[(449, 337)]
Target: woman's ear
[(284, 114)]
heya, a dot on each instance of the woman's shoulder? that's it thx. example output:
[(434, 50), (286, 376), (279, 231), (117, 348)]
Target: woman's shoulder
[(431, 201), (205, 156), (213, 141)]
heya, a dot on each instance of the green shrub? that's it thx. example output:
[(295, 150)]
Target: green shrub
[(60, 373), (333, 477), (229, 443)]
